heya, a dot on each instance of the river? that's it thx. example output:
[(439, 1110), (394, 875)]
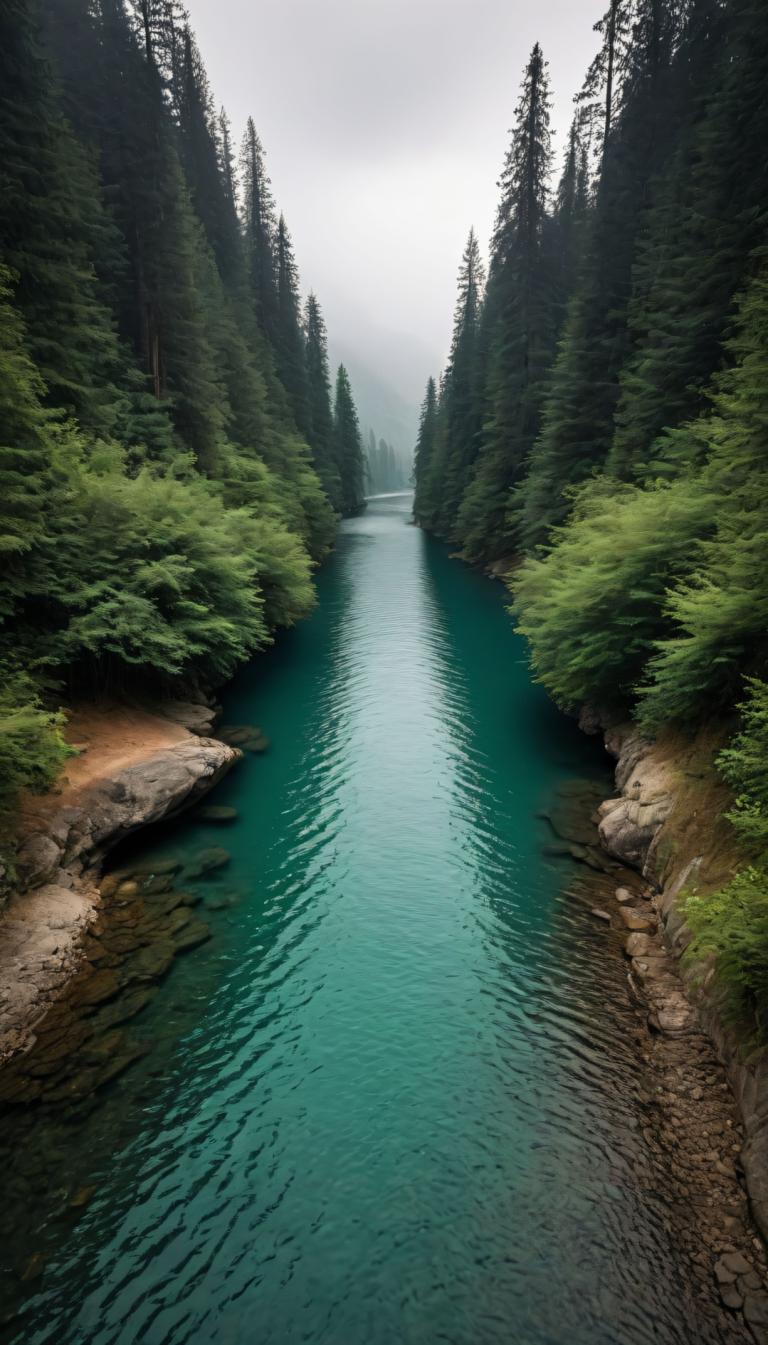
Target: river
[(394, 1098)]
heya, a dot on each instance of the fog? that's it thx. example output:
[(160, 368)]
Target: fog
[(385, 124)]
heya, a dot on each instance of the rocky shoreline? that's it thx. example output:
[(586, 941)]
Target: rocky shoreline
[(133, 768), (665, 824)]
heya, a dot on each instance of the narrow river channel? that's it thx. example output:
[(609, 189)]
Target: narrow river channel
[(394, 1097)]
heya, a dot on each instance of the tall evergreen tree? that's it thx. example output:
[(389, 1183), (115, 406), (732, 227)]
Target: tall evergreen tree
[(348, 447), (259, 230), (319, 394), (578, 420), (425, 449), (708, 215), (290, 357), (523, 334), (452, 461), (601, 91)]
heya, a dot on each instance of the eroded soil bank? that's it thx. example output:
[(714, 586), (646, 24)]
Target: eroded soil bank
[(133, 768)]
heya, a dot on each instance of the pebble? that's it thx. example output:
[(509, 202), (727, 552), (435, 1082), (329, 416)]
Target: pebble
[(731, 1297)]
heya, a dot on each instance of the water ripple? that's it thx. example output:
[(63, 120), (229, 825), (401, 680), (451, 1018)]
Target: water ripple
[(394, 1099)]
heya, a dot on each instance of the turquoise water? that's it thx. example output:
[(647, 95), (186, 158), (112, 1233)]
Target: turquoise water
[(394, 1099)]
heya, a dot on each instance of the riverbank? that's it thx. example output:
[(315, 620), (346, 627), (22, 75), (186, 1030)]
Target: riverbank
[(668, 823), (132, 768)]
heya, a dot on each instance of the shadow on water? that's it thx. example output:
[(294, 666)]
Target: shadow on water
[(392, 1098)]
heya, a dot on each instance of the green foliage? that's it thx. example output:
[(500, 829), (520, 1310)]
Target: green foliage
[(160, 511), (744, 763), (348, 447), (456, 433), (319, 402), (593, 606), (519, 327), (167, 581), (426, 445), (720, 613), (731, 926), (32, 750), (623, 399)]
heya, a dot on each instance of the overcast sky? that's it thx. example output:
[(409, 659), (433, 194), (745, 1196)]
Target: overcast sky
[(385, 123)]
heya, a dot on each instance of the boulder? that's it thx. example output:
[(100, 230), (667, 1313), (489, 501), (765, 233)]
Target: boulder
[(643, 922), (198, 719)]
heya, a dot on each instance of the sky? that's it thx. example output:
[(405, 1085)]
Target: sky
[(385, 124)]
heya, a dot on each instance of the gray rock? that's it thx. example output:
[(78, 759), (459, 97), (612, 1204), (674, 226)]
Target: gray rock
[(207, 861), (756, 1309), (196, 718), (641, 945), (624, 896), (736, 1262), (643, 922), (61, 893), (39, 858), (723, 1274), (731, 1297)]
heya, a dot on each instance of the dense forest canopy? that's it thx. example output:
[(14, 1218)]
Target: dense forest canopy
[(602, 420), (172, 459)]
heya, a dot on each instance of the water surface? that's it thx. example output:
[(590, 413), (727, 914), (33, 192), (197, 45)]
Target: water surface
[(394, 1099)]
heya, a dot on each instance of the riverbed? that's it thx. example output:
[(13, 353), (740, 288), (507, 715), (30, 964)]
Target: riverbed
[(395, 1096)]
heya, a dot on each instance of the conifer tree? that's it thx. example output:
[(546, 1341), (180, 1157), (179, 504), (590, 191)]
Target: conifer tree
[(60, 244), (26, 472), (319, 396), (348, 447), (524, 324), (601, 91), (708, 216), (259, 230), (452, 461), (207, 163), (290, 357), (578, 420), (425, 449)]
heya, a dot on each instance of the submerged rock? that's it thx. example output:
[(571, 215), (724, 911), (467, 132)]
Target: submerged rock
[(216, 812), (82, 1197), (207, 861), (249, 737)]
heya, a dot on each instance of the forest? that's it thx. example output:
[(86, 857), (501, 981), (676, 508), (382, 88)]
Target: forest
[(173, 458), (386, 469), (600, 428)]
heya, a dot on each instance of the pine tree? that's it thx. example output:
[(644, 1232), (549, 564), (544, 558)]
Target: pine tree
[(319, 394), (524, 306), (207, 163), (289, 339), (259, 231), (708, 216), (578, 419), (26, 471), (59, 242), (452, 462), (601, 91), (565, 230), (348, 447), (424, 453)]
